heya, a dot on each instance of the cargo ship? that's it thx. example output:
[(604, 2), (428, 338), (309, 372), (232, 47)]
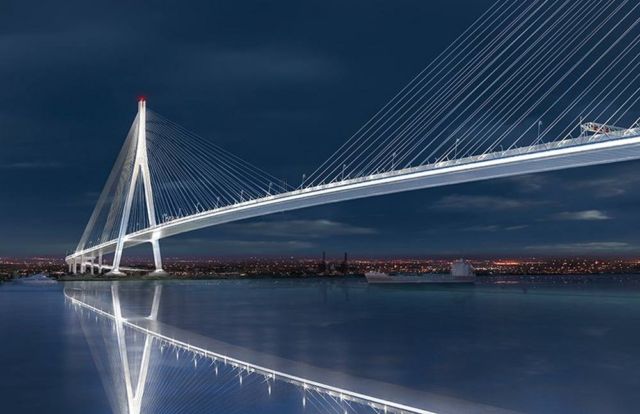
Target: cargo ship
[(38, 279), (461, 273)]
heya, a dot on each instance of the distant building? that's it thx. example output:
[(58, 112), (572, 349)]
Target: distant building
[(322, 268), (345, 265)]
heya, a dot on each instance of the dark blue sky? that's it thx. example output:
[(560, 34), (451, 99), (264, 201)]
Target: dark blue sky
[(282, 85)]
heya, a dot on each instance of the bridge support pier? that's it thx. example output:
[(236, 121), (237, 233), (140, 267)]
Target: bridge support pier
[(91, 264), (115, 268), (83, 266), (157, 259)]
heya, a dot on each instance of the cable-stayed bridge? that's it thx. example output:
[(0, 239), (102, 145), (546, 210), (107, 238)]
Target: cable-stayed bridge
[(531, 86)]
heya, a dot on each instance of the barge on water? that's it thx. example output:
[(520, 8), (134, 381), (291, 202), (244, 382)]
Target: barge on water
[(461, 273)]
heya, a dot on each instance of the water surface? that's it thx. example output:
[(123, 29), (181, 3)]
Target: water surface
[(540, 350)]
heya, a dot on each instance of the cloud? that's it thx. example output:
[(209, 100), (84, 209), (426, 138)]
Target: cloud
[(271, 63), (482, 228), (245, 69), (587, 247), (464, 202), (236, 246), (604, 187), (529, 183), (88, 198), (495, 227), (298, 228), (586, 215), (31, 165)]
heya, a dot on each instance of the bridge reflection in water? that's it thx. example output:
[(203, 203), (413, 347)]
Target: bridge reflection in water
[(149, 367)]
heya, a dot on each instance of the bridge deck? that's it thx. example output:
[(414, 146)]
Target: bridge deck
[(571, 153)]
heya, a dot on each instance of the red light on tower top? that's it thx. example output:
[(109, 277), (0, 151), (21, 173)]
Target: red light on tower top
[(142, 98)]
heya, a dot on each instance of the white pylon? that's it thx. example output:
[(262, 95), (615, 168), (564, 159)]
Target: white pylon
[(140, 167)]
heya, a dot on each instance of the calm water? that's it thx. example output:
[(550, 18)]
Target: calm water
[(546, 349)]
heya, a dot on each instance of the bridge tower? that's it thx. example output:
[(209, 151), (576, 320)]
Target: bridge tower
[(140, 171)]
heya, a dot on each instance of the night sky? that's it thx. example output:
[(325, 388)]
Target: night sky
[(282, 85)]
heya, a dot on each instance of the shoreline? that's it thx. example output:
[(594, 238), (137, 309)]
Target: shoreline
[(503, 281)]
